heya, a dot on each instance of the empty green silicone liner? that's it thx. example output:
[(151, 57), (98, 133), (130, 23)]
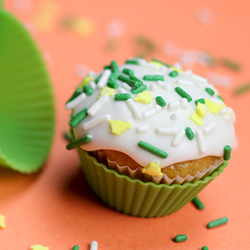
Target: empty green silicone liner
[(135, 197), (26, 99)]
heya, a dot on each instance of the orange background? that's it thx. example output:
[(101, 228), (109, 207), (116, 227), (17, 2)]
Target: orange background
[(56, 207)]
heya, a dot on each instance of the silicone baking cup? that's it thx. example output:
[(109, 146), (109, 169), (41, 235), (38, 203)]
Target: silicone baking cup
[(137, 198), (26, 99)]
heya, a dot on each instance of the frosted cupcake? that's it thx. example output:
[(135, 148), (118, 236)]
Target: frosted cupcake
[(147, 125)]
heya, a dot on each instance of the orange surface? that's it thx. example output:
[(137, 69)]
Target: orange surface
[(56, 207)]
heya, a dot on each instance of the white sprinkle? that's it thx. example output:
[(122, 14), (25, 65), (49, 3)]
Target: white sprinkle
[(163, 85), (185, 83), (232, 114), (179, 136), (153, 87), (92, 85), (177, 65), (216, 100), (126, 86), (199, 78), (142, 129), (166, 131), (209, 128), (149, 65), (199, 85), (163, 68), (226, 117), (184, 103), (200, 142), (104, 78), (97, 105), (152, 111), (173, 116), (134, 109), (223, 111), (173, 105), (94, 245), (157, 108), (188, 72), (72, 104), (121, 90), (95, 121), (141, 60)]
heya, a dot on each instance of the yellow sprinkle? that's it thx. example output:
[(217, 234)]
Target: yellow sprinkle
[(201, 109), (156, 63), (197, 119), (143, 97), (178, 70), (38, 247), (2, 221), (83, 27), (213, 106), (153, 169), (117, 126), (85, 81), (106, 91)]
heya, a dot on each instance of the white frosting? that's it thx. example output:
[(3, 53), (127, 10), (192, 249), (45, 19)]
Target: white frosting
[(154, 125)]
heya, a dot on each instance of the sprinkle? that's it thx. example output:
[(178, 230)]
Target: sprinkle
[(231, 65), (153, 149), (213, 107), (122, 97), (188, 72), (38, 247), (204, 248), (180, 238), (199, 78), (223, 111), (160, 101), (114, 67), (197, 119), (189, 133), (79, 142), (226, 117), (97, 105), (183, 94), (153, 87), (128, 72), (112, 84), (75, 94), (67, 136), (139, 89), (173, 116), (173, 73), (121, 91), (227, 153), (97, 78), (209, 91), (200, 101), (126, 86), (173, 105), (196, 201), (156, 63), (201, 109), (92, 85), (155, 60), (178, 138), (149, 65), (241, 89), (113, 76), (76, 119), (153, 78), (220, 98), (185, 83), (217, 222), (104, 78), (118, 127), (94, 245), (106, 91), (153, 169), (151, 111), (142, 129), (2, 221), (166, 131), (131, 83), (76, 247), (200, 142), (232, 114), (163, 85), (107, 67), (184, 103), (217, 101), (87, 90), (85, 81), (132, 106), (143, 97), (95, 121), (209, 128), (72, 104), (132, 62), (132, 77), (177, 65)]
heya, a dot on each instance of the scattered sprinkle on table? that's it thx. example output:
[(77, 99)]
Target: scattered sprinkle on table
[(2, 221), (94, 245), (196, 201), (217, 222), (180, 238), (38, 247), (242, 89), (204, 248), (76, 247)]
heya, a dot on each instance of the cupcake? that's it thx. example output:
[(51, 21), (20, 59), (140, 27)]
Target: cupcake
[(150, 136)]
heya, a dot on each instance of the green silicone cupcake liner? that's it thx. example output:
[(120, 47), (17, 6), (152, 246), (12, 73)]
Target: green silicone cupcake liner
[(135, 197), (26, 99)]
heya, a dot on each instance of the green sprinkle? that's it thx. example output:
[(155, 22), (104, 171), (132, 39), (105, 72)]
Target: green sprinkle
[(183, 94), (76, 247), (227, 153), (128, 72), (200, 101), (173, 73), (218, 222), (220, 98), (241, 89), (67, 136), (132, 62), (209, 91), (132, 77), (78, 143), (204, 248), (139, 89), (87, 90), (114, 67), (75, 94), (160, 101), (198, 203), (153, 149), (155, 60), (76, 119), (131, 83), (122, 97), (113, 84), (153, 77), (230, 64), (113, 77), (180, 238), (189, 133), (97, 78), (107, 67)]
